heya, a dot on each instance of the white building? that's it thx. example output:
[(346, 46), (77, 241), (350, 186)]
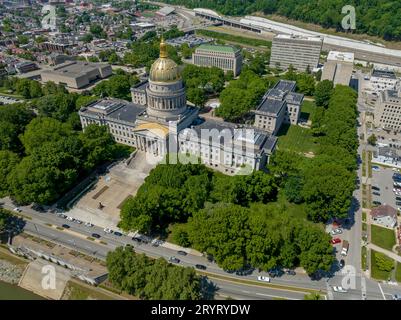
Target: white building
[(384, 79)]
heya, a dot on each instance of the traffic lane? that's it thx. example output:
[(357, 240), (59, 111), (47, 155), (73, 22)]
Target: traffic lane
[(156, 252), (88, 247), (69, 241), (251, 291)]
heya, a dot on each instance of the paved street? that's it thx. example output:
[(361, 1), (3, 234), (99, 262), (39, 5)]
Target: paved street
[(76, 238)]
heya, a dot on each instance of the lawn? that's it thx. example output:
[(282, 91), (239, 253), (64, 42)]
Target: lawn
[(308, 109), (383, 237), (297, 139), (398, 272), (81, 292), (364, 258), (375, 272)]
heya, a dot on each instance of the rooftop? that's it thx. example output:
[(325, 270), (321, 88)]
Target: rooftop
[(341, 56), (286, 85), (218, 48), (297, 37), (115, 109), (75, 68), (383, 211), (270, 105), (382, 73)]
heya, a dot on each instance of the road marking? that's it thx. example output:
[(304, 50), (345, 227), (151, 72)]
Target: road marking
[(381, 290), (330, 295), (363, 287), (271, 296)]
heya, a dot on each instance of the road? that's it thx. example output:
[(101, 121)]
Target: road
[(76, 238)]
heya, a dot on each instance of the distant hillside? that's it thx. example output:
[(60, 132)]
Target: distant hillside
[(374, 17)]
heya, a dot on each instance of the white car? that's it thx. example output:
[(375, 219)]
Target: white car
[(263, 278), (107, 230), (336, 231), (78, 221), (88, 224), (70, 218), (17, 209), (339, 289)]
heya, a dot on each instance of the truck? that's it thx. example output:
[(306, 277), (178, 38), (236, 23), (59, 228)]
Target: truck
[(345, 248)]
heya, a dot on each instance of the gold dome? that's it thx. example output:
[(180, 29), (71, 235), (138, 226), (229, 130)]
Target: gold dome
[(164, 69)]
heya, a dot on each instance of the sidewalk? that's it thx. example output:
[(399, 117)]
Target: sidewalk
[(391, 254)]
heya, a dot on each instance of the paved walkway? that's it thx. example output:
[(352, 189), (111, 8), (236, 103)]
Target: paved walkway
[(392, 255)]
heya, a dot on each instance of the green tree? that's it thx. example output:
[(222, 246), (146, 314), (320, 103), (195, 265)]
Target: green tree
[(383, 262), (8, 161), (323, 93), (372, 140)]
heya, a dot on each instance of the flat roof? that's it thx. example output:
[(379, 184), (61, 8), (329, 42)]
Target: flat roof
[(341, 56), (115, 109), (298, 37), (219, 48), (270, 105), (74, 68), (285, 85), (382, 73)]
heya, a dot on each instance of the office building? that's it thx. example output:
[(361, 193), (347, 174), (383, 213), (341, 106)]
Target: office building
[(387, 113), (279, 105), (77, 74), (338, 67), (383, 79), (300, 52), (227, 58)]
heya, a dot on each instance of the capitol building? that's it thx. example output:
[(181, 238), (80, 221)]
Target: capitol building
[(159, 121)]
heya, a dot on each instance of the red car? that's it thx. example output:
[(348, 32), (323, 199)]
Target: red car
[(335, 240)]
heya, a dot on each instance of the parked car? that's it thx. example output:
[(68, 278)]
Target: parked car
[(137, 239), (17, 209), (376, 188), (263, 278), (290, 272), (88, 224), (376, 193), (342, 263), (107, 230), (62, 216), (78, 221), (377, 203), (396, 296), (339, 289), (335, 240), (95, 235), (200, 267), (66, 226), (70, 218), (375, 168), (182, 253), (398, 203), (336, 231), (174, 260), (118, 234)]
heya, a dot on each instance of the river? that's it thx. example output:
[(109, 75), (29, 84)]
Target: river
[(14, 292)]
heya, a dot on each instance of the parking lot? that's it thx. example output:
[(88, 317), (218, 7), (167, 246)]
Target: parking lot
[(383, 180)]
